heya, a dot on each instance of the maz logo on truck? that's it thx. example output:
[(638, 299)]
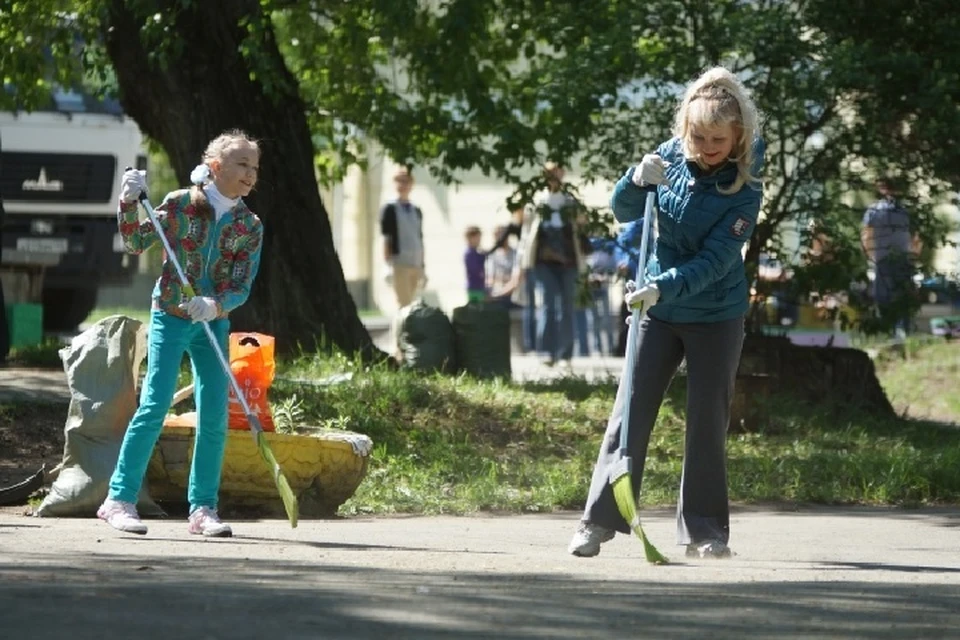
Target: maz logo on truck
[(42, 183)]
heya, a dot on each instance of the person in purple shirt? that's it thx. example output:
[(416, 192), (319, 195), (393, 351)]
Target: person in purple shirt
[(474, 260)]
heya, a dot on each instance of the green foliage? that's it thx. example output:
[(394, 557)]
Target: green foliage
[(41, 49), (287, 413), (598, 82), (848, 91)]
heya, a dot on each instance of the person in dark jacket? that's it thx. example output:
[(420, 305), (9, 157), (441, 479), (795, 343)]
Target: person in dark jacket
[(693, 295)]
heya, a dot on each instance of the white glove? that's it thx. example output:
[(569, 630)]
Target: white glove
[(643, 298), (200, 309), (650, 171), (132, 184)]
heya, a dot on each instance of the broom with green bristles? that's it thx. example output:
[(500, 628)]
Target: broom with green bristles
[(620, 475), (290, 503)]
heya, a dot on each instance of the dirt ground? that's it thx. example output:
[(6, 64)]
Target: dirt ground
[(31, 436)]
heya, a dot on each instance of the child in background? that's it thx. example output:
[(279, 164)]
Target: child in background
[(217, 241), (500, 267), (474, 261)]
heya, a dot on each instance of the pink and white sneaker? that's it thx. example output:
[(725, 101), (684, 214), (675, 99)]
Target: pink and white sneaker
[(122, 516), (205, 521)]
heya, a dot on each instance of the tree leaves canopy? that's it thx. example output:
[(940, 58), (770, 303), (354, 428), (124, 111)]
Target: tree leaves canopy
[(849, 90)]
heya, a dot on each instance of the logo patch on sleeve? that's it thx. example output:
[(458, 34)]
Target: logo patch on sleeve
[(740, 227)]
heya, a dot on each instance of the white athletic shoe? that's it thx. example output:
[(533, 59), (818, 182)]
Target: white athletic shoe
[(588, 538), (122, 516), (205, 521), (708, 549)]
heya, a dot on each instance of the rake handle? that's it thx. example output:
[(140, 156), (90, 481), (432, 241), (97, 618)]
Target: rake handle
[(631, 355)]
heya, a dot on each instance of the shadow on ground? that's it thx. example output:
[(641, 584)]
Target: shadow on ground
[(161, 597)]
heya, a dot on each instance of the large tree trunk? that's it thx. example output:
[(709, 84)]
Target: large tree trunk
[(204, 87)]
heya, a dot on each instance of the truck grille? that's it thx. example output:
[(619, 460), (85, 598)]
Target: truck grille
[(57, 177)]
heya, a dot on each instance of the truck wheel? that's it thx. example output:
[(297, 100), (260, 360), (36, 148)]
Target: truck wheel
[(65, 309)]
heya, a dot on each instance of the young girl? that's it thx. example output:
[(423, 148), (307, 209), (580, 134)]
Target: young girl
[(708, 194), (217, 241)]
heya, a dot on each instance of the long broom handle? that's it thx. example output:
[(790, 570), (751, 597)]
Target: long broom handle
[(641, 277), (188, 290)]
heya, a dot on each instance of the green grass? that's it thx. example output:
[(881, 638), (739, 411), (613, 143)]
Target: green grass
[(922, 380), (45, 355), (458, 445)]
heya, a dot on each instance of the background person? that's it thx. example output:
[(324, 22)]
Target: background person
[(474, 262), (891, 250), (553, 253), (401, 225)]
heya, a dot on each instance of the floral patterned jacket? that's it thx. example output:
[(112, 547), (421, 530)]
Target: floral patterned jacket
[(219, 258)]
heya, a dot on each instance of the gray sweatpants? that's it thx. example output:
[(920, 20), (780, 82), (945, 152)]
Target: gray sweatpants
[(712, 350)]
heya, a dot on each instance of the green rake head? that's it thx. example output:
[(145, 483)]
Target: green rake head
[(286, 493), (627, 504)]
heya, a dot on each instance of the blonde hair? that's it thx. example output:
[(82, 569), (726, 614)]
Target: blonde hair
[(715, 99), (219, 145)]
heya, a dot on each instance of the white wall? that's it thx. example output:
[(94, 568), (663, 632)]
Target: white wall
[(447, 211)]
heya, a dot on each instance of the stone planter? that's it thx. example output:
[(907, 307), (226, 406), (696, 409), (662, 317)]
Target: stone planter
[(324, 468)]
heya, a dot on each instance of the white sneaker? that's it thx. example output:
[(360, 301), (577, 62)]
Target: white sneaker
[(122, 516), (708, 549), (205, 521), (588, 538)]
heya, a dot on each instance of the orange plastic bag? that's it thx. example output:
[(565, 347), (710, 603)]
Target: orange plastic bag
[(253, 365)]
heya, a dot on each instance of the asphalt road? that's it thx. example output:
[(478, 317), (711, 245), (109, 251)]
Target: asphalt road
[(823, 572)]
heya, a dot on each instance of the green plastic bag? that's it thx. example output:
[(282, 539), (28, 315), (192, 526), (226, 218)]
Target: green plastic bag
[(425, 338), (483, 340)]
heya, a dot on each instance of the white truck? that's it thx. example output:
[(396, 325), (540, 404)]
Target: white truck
[(60, 185)]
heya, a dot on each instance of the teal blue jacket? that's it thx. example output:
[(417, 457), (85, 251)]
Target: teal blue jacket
[(698, 260)]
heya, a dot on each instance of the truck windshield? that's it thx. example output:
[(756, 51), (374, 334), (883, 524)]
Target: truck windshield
[(77, 101), (72, 101)]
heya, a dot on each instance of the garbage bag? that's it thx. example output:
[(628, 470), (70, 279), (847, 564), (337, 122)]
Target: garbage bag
[(425, 338), (253, 364), (482, 335), (102, 366)]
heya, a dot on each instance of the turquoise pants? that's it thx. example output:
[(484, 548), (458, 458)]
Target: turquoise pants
[(171, 337)]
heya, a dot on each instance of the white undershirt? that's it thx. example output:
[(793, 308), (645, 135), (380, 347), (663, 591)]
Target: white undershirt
[(556, 201), (220, 203)]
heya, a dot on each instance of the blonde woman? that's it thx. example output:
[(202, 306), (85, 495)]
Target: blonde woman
[(695, 290)]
